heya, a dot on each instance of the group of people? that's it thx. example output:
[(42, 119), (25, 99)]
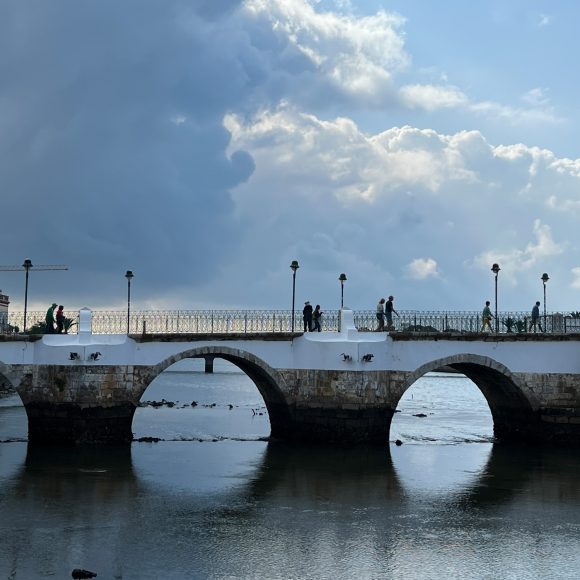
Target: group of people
[(535, 323), (52, 317), (312, 317), (385, 310)]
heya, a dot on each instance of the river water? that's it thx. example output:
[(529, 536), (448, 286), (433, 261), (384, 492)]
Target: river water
[(214, 499)]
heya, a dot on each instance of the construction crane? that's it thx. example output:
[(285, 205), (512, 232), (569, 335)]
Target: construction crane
[(27, 266)]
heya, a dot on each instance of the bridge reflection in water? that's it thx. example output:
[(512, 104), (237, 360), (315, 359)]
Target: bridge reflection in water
[(271, 510)]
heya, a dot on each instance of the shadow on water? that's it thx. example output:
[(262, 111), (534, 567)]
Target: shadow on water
[(312, 473), (513, 472), (90, 474)]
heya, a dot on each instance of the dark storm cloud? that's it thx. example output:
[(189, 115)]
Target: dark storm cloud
[(112, 148)]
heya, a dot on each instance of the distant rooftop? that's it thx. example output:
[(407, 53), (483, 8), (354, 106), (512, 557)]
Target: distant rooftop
[(4, 301)]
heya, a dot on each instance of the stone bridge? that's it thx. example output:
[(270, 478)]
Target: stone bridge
[(339, 387)]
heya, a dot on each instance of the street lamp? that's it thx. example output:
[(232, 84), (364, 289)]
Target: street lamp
[(27, 265), (129, 276), (293, 266), (342, 279), (544, 279), (495, 269)]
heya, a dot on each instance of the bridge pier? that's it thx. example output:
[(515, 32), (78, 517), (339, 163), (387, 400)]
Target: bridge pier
[(338, 407), (336, 425), (68, 423), (68, 404), (209, 364)]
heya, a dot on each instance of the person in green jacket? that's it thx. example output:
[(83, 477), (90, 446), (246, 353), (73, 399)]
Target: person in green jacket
[(50, 319), (486, 316)]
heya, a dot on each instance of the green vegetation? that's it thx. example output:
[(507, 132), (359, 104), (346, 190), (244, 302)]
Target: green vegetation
[(40, 327)]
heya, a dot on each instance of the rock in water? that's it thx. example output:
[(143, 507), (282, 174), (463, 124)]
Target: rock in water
[(80, 573)]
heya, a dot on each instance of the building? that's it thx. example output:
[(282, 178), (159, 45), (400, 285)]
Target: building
[(4, 302)]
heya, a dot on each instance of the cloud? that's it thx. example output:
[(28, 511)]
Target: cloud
[(429, 97), (422, 268), (544, 20), (516, 260), (433, 97), (103, 176), (199, 143), (394, 195), (576, 281), (319, 55)]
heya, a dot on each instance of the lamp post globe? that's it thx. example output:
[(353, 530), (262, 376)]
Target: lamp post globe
[(293, 266), (495, 269)]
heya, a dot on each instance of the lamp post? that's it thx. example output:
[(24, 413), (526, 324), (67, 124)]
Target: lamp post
[(27, 265), (342, 279), (129, 276), (544, 279), (293, 266), (495, 269)]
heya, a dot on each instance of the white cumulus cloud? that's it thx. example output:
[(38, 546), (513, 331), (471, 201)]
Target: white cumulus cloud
[(422, 268)]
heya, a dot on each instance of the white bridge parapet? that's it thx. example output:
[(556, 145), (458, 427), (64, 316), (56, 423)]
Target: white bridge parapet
[(346, 350)]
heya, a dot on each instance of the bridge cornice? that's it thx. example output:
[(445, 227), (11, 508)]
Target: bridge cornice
[(483, 337), (205, 337)]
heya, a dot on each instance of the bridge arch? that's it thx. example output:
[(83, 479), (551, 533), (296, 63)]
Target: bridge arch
[(268, 381), (513, 406)]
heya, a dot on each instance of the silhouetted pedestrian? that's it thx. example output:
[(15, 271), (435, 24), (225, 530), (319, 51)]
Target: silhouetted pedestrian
[(316, 318), (60, 319), (381, 315), (389, 309), (49, 320), (536, 317), (307, 316)]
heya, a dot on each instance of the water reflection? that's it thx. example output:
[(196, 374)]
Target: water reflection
[(257, 510), (314, 474), (64, 508), (441, 470)]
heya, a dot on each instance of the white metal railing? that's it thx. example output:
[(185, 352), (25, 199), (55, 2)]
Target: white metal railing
[(280, 321)]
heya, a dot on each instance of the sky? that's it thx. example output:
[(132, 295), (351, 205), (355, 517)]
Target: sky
[(205, 145)]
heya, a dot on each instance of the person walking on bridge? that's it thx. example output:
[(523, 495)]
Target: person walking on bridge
[(316, 317), (60, 320), (536, 317), (307, 316), (486, 317), (389, 309), (49, 319), (381, 315)]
